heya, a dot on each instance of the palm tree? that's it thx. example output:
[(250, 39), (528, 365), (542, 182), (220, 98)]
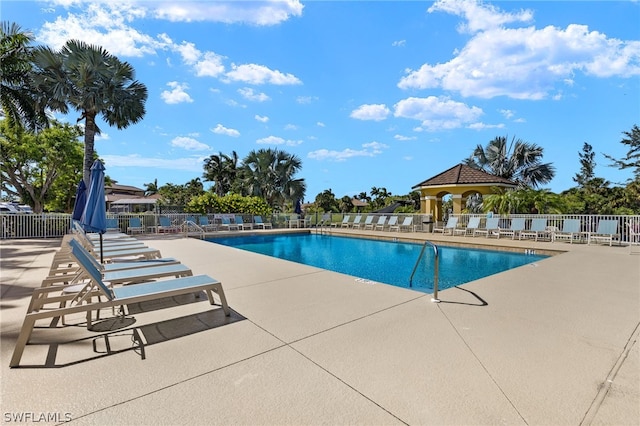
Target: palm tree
[(326, 200), (20, 103), (270, 174), (194, 187), (93, 82), (222, 170), (151, 188), (518, 161), (502, 201)]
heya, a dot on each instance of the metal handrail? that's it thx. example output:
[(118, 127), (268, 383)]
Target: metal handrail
[(435, 270), (189, 223)]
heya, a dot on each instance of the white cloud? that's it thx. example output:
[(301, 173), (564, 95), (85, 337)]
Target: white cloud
[(251, 95), (320, 124), (262, 13), (188, 164), (370, 149), (478, 15), (484, 126), (101, 137), (404, 138), (376, 112), (177, 93), (188, 51), (506, 113), (190, 144), (102, 24), (260, 118), (521, 63), (275, 140), (306, 99), (437, 113), (291, 127), (259, 74), (210, 65), (221, 130), (399, 43)]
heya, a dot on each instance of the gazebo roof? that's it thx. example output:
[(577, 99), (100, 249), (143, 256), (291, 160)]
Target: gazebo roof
[(462, 174)]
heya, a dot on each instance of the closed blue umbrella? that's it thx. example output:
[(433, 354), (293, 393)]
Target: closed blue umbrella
[(94, 217), (81, 200), (298, 208)]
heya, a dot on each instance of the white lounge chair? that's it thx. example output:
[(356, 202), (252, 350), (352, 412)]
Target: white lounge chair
[(165, 225), (206, 224), (407, 224), (118, 297), (368, 223), (382, 220), (259, 223), (607, 230), (356, 221), (491, 227), (392, 224), (344, 223), (226, 224), (538, 230), (517, 226), (570, 231), (242, 224), (472, 225), (135, 226), (448, 228)]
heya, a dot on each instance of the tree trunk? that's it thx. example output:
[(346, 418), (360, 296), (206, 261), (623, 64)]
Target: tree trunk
[(89, 136)]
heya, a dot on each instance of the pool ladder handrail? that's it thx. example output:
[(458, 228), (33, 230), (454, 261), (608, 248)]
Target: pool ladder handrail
[(191, 224), (434, 299)]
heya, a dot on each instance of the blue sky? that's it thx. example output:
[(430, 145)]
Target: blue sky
[(366, 93)]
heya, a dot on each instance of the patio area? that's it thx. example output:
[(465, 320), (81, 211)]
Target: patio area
[(554, 342)]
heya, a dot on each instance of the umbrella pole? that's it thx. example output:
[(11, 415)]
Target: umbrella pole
[(101, 258)]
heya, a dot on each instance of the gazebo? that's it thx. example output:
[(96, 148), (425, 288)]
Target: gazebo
[(460, 181)]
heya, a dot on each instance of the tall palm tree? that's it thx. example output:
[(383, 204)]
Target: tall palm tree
[(151, 188), (270, 174), (91, 81), (221, 169), (518, 161), (20, 103)]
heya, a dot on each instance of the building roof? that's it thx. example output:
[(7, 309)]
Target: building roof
[(114, 187), (462, 174), (135, 201)]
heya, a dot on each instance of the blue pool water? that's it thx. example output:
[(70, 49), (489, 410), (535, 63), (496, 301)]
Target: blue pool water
[(383, 261)]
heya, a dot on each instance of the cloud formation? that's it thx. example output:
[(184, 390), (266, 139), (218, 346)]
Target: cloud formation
[(370, 149), (177, 94), (376, 112), (189, 144), (521, 63), (221, 130)]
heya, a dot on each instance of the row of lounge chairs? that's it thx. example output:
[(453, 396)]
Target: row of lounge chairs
[(607, 229), (165, 225), (132, 273), (383, 223), (372, 222)]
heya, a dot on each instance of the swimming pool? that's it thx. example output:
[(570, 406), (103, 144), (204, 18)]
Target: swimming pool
[(387, 262)]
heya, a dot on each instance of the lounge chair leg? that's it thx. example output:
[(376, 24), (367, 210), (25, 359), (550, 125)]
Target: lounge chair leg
[(23, 339)]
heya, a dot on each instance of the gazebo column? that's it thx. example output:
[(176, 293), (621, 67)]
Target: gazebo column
[(457, 203), (432, 205)]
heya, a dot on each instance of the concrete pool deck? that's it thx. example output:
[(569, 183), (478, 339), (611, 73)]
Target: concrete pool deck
[(550, 343)]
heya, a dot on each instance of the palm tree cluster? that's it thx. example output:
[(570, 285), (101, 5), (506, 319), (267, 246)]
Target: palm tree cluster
[(20, 101), (518, 161), (80, 77), (266, 173)]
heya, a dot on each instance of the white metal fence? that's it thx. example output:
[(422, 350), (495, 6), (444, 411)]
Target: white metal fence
[(54, 225)]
